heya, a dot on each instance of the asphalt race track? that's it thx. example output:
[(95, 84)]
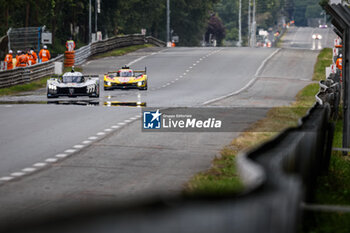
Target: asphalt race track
[(85, 151)]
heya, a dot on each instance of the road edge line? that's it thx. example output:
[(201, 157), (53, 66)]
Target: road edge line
[(250, 83)]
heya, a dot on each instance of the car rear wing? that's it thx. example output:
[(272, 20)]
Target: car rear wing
[(141, 71)]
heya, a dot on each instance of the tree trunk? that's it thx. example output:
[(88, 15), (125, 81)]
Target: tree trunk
[(7, 16), (27, 14)]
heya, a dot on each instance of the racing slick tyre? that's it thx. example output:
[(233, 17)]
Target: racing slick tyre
[(143, 88)]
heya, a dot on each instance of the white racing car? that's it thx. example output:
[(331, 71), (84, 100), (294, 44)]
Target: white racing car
[(73, 84)]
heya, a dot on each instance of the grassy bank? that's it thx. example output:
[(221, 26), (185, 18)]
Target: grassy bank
[(221, 178), (333, 189), (122, 51), (17, 89), (324, 60)]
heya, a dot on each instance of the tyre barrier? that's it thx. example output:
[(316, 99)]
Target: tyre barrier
[(69, 58), (288, 166)]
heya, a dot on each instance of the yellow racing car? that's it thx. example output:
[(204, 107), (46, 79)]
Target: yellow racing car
[(125, 78)]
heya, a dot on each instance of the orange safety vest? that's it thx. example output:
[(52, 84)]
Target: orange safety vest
[(32, 57), (22, 60), (70, 45), (339, 63), (8, 59), (44, 55)]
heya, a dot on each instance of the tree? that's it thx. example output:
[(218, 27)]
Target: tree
[(216, 29)]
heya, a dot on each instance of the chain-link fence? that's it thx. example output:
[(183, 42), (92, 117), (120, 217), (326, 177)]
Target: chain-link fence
[(24, 38)]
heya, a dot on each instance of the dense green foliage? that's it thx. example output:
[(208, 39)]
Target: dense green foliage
[(269, 14), (71, 17), (190, 19)]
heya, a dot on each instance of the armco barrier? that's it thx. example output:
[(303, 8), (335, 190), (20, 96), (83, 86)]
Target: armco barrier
[(281, 174), (27, 74)]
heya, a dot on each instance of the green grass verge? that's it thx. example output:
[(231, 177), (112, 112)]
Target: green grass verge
[(122, 51), (32, 86), (333, 189), (222, 178), (324, 60)]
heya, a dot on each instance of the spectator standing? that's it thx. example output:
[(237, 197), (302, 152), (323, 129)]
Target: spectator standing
[(44, 54), (32, 56), (23, 60), (8, 60), (70, 45)]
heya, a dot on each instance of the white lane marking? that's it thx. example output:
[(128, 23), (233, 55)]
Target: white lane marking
[(187, 71), (39, 165), (51, 160), (78, 146), (194, 64), (29, 169), (17, 174), (6, 178), (248, 84), (70, 151), (8, 106), (127, 121), (181, 76), (133, 118), (121, 123), (177, 79), (92, 138), (100, 133), (61, 155), (191, 67), (115, 127), (86, 142), (108, 130), (136, 60), (184, 74), (264, 62)]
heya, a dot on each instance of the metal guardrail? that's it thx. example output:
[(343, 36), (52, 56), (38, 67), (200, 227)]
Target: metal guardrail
[(281, 175), (23, 75)]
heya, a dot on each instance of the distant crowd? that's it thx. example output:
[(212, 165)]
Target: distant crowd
[(26, 58)]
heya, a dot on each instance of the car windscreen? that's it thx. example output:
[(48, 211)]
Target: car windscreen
[(72, 79), (125, 74)]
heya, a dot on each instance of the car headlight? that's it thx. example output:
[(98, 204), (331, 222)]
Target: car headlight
[(319, 37), (313, 36), (140, 84), (52, 87)]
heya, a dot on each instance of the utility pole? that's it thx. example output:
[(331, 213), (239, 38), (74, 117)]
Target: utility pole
[(96, 20), (249, 22), (168, 21), (253, 36), (89, 21), (240, 24)]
